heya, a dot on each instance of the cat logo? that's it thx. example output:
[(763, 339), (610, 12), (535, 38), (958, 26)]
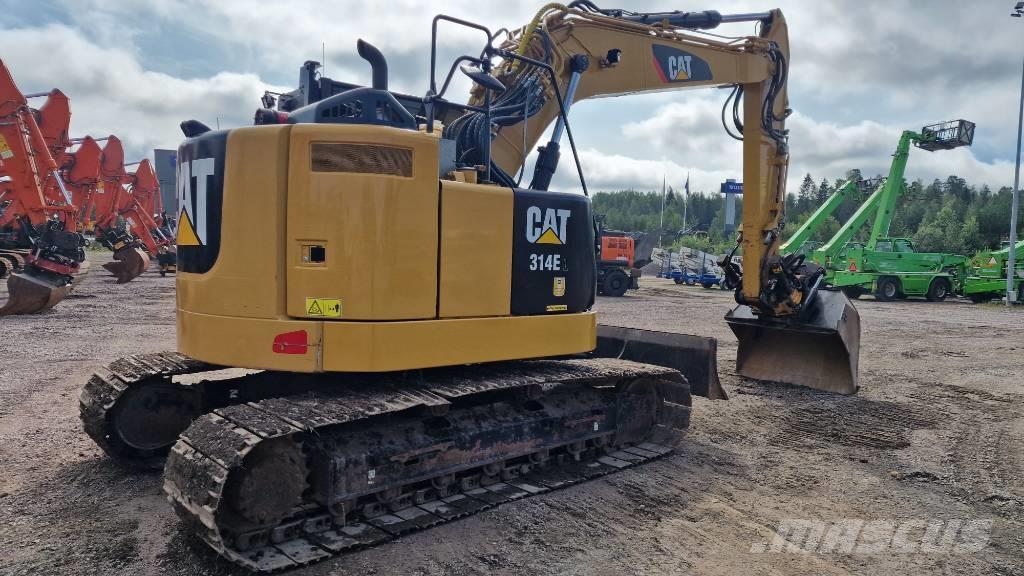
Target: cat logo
[(675, 65), (192, 200), (547, 226), (559, 288)]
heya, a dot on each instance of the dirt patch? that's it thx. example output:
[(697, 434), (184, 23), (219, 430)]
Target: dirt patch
[(936, 432)]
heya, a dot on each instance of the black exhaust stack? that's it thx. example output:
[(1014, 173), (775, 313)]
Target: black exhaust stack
[(371, 54)]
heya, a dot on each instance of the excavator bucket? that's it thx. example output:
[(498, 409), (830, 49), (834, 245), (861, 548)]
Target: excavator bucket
[(128, 264), (695, 357), (29, 293), (820, 350)]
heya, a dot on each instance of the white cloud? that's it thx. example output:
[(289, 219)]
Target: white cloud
[(691, 133), (111, 92), (859, 75), (618, 172)]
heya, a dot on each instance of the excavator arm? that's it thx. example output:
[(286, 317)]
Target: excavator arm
[(785, 323), (137, 208), (130, 258)]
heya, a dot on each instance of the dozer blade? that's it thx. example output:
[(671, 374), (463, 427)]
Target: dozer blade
[(693, 356), (30, 294), (819, 351), (128, 264)]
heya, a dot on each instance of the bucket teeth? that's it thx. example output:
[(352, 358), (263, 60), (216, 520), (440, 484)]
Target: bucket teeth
[(128, 264), (30, 293), (819, 351)]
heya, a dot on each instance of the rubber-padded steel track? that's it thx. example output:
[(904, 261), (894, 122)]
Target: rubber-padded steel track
[(212, 453)]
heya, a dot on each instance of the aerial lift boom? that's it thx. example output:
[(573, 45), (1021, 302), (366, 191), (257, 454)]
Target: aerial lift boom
[(806, 231), (890, 266)]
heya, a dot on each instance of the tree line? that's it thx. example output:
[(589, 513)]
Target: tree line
[(948, 215)]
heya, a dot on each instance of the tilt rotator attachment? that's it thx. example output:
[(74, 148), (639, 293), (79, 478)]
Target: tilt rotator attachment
[(47, 278), (130, 260)]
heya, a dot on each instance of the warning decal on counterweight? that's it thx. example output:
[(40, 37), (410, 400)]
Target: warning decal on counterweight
[(323, 307)]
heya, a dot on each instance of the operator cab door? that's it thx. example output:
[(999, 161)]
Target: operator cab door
[(362, 225)]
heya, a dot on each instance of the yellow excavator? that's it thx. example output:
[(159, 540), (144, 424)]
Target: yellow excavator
[(409, 337)]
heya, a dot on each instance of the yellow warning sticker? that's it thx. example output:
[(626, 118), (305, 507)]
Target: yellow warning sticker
[(324, 307), (5, 149), (559, 288), (557, 308)]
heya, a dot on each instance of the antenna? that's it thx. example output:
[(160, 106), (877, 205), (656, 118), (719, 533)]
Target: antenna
[(323, 59)]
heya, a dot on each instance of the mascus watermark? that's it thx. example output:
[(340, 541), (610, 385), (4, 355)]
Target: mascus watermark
[(858, 536)]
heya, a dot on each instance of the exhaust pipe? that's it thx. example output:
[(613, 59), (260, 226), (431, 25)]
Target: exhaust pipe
[(371, 54)]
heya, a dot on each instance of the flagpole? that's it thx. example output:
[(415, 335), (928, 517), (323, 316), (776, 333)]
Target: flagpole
[(661, 225), (686, 193)]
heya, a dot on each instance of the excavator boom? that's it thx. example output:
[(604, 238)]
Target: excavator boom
[(130, 258), (784, 322)]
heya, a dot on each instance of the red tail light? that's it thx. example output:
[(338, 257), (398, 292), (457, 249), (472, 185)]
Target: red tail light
[(291, 343)]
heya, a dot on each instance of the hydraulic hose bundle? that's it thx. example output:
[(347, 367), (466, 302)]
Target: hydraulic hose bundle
[(520, 101)]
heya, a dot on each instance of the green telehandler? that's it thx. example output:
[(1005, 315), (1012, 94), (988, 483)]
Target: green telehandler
[(987, 274), (890, 268)]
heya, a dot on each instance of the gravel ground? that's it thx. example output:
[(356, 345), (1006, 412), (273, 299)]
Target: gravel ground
[(935, 433)]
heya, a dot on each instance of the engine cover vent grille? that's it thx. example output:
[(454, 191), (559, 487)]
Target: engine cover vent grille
[(361, 159)]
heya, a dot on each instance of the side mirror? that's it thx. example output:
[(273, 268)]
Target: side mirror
[(483, 78)]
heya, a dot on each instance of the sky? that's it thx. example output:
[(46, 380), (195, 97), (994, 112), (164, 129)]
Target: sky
[(860, 73)]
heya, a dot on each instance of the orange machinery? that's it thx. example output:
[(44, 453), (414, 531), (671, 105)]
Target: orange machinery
[(39, 241), (130, 257)]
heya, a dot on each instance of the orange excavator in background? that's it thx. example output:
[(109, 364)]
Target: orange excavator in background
[(39, 243), (81, 172), (130, 257), (140, 208)]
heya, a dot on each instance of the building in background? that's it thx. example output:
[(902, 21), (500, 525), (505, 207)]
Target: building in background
[(730, 188), (166, 162)]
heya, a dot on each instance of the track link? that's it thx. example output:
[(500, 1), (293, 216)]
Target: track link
[(287, 481), (105, 391)]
